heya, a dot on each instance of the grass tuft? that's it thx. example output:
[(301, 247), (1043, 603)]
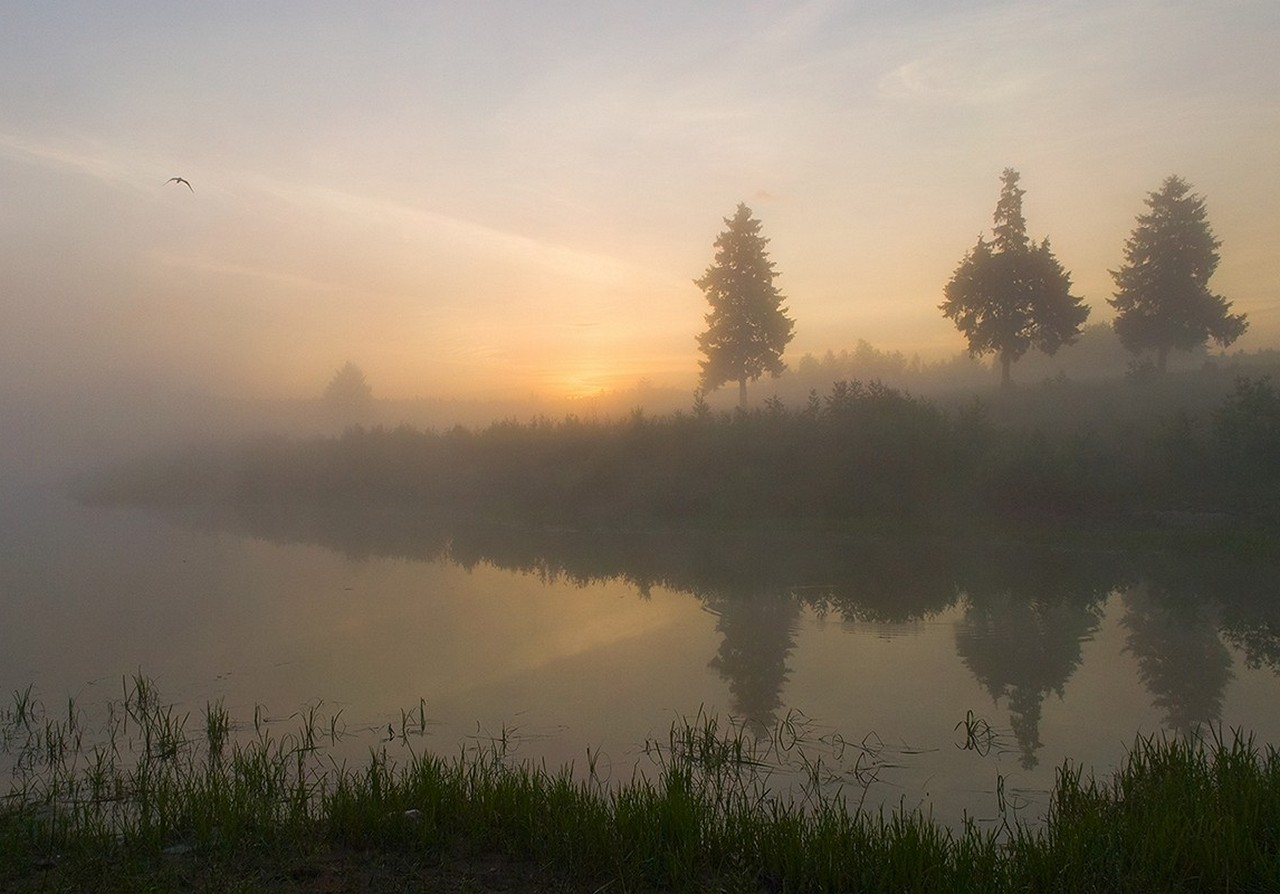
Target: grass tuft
[(144, 803)]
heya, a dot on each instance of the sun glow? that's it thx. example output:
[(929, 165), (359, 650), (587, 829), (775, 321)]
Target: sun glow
[(538, 229), (586, 380)]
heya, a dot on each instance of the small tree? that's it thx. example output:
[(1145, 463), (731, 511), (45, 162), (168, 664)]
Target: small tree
[(348, 393), (748, 328), (1163, 299), (1011, 294)]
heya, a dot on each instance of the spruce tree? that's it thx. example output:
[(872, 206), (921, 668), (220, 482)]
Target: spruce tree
[(747, 328), (348, 393), (1011, 294), (1163, 299)]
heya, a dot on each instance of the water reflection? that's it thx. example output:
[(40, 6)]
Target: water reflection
[(1021, 650), (1024, 613), (758, 630), (1243, 595), (1181, 659), (1254, 630), (1027, 613)]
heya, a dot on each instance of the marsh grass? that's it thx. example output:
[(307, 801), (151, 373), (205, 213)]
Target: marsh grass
[(150, 798)]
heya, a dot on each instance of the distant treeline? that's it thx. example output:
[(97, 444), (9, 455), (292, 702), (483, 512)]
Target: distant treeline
[(862, 450)]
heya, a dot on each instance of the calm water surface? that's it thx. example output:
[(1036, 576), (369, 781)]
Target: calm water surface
[(571, 643)]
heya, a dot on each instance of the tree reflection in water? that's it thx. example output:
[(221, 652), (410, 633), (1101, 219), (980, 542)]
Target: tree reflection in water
[(1023, 649), (1181, 659), (758, 631), (1027, 608)]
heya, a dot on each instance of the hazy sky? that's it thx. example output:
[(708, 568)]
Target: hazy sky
[(468, 196)]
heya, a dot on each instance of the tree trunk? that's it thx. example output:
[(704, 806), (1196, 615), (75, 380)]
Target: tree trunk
[(1162, 359), (1005, 363), (742, 393)]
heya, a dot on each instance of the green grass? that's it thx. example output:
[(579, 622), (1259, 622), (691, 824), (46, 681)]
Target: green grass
[(150, 799)]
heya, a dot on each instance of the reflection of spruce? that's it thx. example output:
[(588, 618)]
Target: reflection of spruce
[(1257, 637), (1023, 649), (1181, 659), (759, 634), (1248, 612)]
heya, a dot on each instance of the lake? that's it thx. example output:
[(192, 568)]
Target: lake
[(871, 647)]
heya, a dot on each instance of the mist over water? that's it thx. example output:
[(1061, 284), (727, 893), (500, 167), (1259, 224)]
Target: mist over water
[(569, 640), (517, 516)]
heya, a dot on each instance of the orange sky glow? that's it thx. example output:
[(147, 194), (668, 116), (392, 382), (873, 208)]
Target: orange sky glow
[(510, 199)]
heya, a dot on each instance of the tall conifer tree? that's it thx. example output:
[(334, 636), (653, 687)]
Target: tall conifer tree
[(748, 327), (1163, 299), (1011, 294)]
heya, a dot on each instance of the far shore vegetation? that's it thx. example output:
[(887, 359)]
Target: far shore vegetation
[(1201, 446), (147, 798)]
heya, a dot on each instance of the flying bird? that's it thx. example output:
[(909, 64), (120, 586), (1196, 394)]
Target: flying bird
[(181, 180)]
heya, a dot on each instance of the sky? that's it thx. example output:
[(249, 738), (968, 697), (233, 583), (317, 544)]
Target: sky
[(486, 198)]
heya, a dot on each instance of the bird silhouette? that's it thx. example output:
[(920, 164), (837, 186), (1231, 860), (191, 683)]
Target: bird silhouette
[(181, 180)]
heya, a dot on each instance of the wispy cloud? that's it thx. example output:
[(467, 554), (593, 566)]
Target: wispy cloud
[(954, 78), (261, 273), (83, 156), (430, 226)]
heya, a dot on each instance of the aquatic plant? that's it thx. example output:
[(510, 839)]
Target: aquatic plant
[(151, 799)]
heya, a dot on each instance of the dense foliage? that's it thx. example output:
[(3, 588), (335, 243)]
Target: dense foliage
[(862, 451), (747, 328), (1163, 300), (1012, 294)]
